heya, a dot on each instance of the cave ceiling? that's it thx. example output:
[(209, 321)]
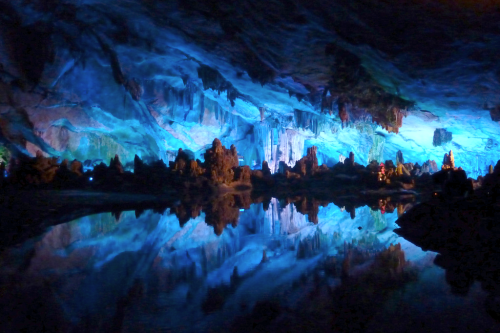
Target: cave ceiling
[(148, 77)]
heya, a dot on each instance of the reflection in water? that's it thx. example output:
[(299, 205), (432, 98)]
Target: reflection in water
[(208, 266)]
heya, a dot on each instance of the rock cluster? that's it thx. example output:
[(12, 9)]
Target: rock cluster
[(307, 165), (448, 161), (42, 170), (184, 165), (221, 167), (219, 163), (394, 121), (429, 167)]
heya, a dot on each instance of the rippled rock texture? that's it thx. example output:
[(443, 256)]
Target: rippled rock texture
[(87, 80)]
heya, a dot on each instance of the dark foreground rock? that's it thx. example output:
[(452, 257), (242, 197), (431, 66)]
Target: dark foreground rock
[(465, 232)]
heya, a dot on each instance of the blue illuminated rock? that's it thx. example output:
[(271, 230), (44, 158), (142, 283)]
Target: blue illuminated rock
[(441, 137), (150, 86)]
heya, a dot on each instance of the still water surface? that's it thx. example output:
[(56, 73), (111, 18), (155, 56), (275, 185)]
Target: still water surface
[(271, 271)]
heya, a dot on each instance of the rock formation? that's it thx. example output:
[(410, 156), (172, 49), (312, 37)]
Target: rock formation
[(195, 169), (399, 157), (242, 174), (308, 165), (373, 167), (189, 177), (429, 166), (350, 161), (181, 163), (139, 168), (399, 169), (184, 165), (265, 169), (409, 167), (441, 136), (38, 170), (76, 167), (448, 161), (219, 162), (115, 165)]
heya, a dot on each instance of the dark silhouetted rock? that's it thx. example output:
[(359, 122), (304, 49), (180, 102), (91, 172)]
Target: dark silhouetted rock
[(291, 175), (389, 164), (115, 165), (138, 166), (266, 171), (283, 167), (350, 161), (39, 170), (100, 172), (373, 166)]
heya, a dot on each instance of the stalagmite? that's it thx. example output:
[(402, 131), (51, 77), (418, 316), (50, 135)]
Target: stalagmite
[(399, 169), (399, 157), (116, 165), (351, 159), (220, 162), (265, 169), (448, 161)]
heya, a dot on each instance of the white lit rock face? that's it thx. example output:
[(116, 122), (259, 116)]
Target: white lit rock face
[(91, 79)]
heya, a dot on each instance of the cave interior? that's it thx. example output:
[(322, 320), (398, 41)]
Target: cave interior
[(248, 145)]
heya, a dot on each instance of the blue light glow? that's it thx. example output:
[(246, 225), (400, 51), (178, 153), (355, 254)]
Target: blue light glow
[(108, 249)]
